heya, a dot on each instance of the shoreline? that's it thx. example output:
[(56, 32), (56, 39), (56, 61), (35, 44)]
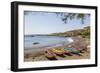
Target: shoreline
[(61, 44), (40, 49), (38, 54)]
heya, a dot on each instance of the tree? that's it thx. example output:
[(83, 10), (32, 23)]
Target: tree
[(66, 16)]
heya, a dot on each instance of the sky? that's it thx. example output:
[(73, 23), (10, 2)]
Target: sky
[(47, 23)]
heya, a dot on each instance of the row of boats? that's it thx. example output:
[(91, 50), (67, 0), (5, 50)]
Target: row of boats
[(62, 52)]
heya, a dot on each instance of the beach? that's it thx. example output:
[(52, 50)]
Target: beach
[(32, 55)]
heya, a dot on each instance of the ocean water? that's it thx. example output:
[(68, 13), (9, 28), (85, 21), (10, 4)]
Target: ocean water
[(45, 41)]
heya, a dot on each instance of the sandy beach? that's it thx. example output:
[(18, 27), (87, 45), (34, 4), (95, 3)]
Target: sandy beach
[(31, 55)]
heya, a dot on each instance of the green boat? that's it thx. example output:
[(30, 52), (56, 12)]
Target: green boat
[(72, 50)]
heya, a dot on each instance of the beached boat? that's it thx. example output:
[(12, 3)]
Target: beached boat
[(36, 43), (72, 50), (50, 55), (59, 51)]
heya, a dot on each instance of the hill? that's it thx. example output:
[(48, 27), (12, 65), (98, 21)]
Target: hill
[(85, 33)]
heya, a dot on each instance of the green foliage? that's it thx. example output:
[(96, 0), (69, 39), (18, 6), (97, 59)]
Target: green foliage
[(66, 16), (84, 33)]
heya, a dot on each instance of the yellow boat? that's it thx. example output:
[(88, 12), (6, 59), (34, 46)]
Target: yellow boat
[(60, 51)]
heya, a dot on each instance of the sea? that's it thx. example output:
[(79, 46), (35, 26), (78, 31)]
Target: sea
[(41, 41)]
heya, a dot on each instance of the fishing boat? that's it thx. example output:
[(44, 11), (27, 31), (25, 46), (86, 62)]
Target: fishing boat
[(50, 55), (36, 43), (73, 51), (59, 52)]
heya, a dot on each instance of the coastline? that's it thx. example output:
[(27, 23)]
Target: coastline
[(38, 54)]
